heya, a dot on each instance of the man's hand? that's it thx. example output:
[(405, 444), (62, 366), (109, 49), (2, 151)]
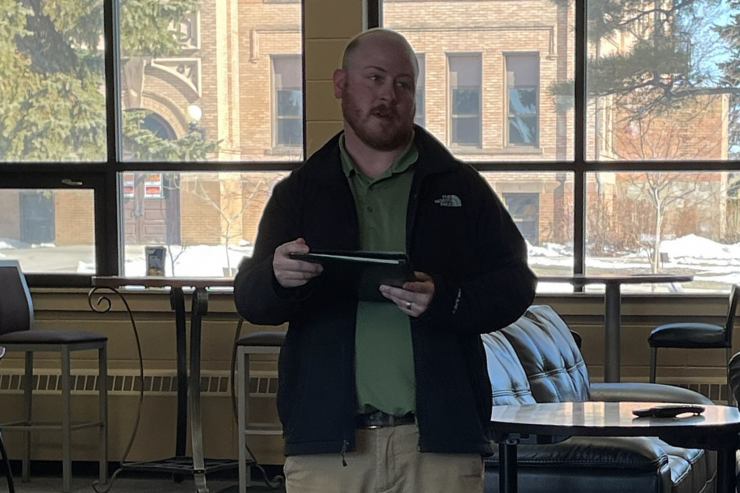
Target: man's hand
[(291, 273), (414, 297)]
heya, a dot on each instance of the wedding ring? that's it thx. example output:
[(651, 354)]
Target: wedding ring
[(408, 305)]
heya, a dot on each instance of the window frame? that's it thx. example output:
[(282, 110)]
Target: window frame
[(579, 165), (104, 177), (73, 180)]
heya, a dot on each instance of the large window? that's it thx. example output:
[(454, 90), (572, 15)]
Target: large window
[(525, 210), (522, 83), (288, 111), (168, 128), (48, 230), (620, 155), (465, 99), (173, 131)]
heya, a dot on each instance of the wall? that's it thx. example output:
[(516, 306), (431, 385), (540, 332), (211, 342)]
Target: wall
[(325, 40), (156, 435)]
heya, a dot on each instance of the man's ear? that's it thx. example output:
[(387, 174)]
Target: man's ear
[(339, 78)]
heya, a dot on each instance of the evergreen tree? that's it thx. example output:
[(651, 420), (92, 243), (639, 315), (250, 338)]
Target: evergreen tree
[(52, 101), (670, 57), (730, 67)]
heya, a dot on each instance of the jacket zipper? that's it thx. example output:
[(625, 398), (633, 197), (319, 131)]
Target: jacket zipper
[(344, 450), (345, 442), (411, 217)]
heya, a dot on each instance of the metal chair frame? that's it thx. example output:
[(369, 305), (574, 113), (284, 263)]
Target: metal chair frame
[(245, 427), (66, 426), (734, 299)]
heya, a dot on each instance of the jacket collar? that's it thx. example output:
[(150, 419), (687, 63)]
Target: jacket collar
[(433, 157)]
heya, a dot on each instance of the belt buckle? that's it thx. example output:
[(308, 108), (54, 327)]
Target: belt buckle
[(379, 417)]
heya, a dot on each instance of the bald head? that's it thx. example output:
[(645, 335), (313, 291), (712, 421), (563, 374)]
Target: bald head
[(377, 86), (378, 35)]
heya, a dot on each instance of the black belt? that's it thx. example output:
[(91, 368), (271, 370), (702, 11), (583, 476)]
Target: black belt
[(379, 419)]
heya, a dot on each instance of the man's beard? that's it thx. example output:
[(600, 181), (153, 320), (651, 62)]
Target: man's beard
[(394, 136)]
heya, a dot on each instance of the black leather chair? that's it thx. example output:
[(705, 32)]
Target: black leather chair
[(17, 333), (535, 359), (695, 335)]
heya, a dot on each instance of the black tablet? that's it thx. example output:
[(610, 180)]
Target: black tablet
[(366, 268)]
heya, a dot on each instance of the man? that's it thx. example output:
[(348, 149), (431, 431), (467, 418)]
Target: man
[(391, 396)]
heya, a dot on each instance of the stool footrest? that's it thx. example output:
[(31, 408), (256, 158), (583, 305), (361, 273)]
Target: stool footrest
[(179, 465), (263, 429), (53, 426)]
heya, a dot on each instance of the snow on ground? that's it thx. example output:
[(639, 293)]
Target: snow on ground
[(705, 259), (695, 248), (189, 261)]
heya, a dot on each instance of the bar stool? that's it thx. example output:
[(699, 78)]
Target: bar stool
[(695, 335), (263, 342), (17, 333)]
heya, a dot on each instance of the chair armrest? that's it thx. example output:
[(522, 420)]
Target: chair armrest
[(648, 392)]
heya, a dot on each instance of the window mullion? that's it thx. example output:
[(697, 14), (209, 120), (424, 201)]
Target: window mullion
[(579, 186)]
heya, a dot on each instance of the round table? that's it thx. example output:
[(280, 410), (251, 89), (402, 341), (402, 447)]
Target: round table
[(715, 429), (188, 389)]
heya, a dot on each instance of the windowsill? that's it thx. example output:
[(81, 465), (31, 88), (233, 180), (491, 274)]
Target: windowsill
[(509, 151), (284, 151), (521, 150), (467, 149)]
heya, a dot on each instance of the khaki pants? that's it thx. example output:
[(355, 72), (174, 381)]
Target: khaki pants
[(386, 461)]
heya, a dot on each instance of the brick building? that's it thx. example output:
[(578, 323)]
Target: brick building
[(484, 91)]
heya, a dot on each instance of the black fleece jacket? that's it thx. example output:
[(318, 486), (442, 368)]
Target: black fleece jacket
[(458, 231)]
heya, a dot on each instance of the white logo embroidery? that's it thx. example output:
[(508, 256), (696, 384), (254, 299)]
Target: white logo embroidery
[(449, 201)]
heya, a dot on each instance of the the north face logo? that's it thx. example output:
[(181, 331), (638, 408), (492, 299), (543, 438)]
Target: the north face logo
[(449, 201)]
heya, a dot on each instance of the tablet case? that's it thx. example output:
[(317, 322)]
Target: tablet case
[(368, 270)]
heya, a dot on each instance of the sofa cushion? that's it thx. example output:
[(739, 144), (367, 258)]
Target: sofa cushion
[(691, 469), (638, 453), (549, 355), (609, 464), (508, 380)]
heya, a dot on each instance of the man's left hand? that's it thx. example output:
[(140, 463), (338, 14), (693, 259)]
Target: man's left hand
[(414, 297)]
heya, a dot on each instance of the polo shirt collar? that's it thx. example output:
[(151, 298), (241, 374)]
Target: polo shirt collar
[(408, 156)]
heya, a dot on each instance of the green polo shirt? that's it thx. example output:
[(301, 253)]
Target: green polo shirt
[(384, 357)]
